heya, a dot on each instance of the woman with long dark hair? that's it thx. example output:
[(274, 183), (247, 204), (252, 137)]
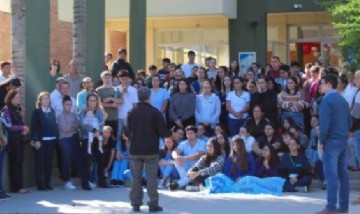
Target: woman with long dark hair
[(182, 105), (208, 165), (268, 164), (237, 105), (17, 130), (92, 105), (223, 140), (239, 163), (292, 102), (44, 135)]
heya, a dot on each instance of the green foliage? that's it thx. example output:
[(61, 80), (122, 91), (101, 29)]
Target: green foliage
[(346, 20)]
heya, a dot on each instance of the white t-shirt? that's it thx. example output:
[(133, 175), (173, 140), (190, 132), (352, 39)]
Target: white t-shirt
[(187, 68), (130, 98), (2, 78), (238, 103), (349, 93)]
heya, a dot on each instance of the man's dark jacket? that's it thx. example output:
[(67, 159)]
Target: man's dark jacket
[(144, 127), (120, 65)]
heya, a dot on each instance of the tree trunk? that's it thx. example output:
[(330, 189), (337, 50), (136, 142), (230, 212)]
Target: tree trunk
[(79, 34), (18, 22)]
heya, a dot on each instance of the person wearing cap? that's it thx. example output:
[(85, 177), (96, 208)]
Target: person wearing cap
[(122, 64), (187, 68), (74, 78), (6, 86), (144, 127)]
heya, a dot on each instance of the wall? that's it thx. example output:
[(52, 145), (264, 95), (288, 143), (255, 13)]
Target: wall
[(5, 36), (60, 37)]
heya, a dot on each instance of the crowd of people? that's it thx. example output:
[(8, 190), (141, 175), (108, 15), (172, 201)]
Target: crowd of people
[(262, 122)]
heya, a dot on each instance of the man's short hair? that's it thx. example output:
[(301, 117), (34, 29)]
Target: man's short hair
[(3, 64), (166, 60), (331, 79), (191, 128), (144, 94), (104, 74), (64, 83), (86, 79), (295, 64), (152, 67), (191, 53), (123, 73), (122, 50)]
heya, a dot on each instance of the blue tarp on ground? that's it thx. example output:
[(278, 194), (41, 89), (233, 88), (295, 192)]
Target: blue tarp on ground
[(220, 183)]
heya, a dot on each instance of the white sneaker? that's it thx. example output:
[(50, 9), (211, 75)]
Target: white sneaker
[(92, 185), (69, 186), (192, 188)]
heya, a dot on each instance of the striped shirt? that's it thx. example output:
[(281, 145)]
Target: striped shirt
[(215, 166), (291, 102)]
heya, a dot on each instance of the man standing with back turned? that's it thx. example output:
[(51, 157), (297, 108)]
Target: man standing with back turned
[(144, 126), (335, 124)]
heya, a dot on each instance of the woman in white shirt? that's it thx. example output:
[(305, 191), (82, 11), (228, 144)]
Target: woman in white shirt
[(237, 105)]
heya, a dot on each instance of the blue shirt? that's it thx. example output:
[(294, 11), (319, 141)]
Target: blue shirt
[(157, 98), (81, 99), (185, 149), (335, 120)]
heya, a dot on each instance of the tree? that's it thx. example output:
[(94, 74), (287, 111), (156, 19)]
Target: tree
[(79, 34), (346, 20), (18, 22)]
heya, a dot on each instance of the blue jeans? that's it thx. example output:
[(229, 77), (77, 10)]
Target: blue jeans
[(234, 125), (298, 118), (70, 153), (335, 169), (356, 144), (119, 167), (304, 181), (2, 157), (167, 171)]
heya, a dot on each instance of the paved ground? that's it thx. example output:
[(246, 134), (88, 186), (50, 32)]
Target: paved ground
[(115, 200)]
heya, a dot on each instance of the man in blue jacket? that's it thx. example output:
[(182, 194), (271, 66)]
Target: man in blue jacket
[(335, 124)]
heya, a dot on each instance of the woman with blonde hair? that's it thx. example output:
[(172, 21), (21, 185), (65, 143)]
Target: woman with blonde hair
[(44, 135)]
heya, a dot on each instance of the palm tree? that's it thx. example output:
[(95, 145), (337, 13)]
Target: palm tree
[(18, 22), (79, 34)]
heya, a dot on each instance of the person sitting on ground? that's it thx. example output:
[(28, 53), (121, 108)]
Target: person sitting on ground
[(166, 163), (201, 133), (208, 165), (248, 139), (268, 164), (269, 138), (287, 123), (303, 139), (295, 168), (121, 163), (109, 149), (256, 124), (186, 155), (239, 163)]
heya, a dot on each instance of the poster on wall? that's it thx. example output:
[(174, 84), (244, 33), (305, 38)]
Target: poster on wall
[(245, 60)]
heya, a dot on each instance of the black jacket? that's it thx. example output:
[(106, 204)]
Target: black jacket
[(144, 127), (268, 102), (122, 64)]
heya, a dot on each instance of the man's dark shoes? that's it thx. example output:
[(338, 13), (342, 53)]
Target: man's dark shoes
[(49, 187), (136, 209), (41, 188), (155, 209), (173, 186)]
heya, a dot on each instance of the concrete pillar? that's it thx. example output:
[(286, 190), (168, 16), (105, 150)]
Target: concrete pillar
[(137, 34), (95, 42), (247, 33)]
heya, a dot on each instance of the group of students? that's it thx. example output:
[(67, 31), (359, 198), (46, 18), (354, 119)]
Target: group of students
[(261, 122)]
